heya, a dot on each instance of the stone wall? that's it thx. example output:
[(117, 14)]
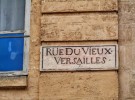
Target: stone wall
[(76, 22), (127, 49), (68, 22)]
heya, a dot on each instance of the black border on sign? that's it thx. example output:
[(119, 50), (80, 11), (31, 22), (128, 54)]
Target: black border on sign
[(80, 46), (115, 57), (42, 55)]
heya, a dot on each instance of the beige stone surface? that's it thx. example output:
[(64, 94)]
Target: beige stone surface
[(79, 86), (13, 81), (50, 6), (78, 27), (127, 49), (81, 43)]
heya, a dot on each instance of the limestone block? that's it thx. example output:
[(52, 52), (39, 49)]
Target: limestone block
[(132, 88), (127, 12), (77, 27), (79, 86), (127, 49), (50, 6), (13, 81)]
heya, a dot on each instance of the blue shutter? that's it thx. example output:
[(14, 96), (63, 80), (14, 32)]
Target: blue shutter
[(11, 52)]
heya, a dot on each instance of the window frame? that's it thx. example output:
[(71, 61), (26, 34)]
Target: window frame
[(26, 37)]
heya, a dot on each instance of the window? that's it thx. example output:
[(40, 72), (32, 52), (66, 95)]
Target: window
[(14, 37)]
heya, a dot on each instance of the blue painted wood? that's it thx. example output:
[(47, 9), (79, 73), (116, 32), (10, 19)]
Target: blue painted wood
[(11, 53)]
